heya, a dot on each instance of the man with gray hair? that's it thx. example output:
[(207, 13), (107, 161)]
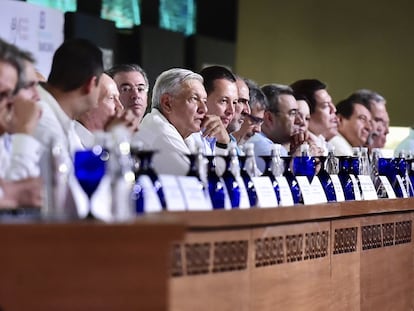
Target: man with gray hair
[(16, 152), (178, 110)]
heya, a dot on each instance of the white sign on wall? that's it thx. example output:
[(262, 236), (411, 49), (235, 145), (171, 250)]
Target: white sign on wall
[(33, 28)]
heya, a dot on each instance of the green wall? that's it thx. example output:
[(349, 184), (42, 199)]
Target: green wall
[(348, 44)]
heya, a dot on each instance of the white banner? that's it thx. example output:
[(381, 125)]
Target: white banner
[(33, 28)]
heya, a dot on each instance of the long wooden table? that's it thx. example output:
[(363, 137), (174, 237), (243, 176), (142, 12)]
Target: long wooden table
[(337, 256), (86, 265)]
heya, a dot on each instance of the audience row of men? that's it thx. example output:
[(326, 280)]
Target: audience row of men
[(189, 110)]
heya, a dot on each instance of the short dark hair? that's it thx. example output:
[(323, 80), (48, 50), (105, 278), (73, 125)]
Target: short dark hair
[(307, 88), (74, 63), (212, 73), (366, 97), (345, 107), (127, 68), (273, 92)]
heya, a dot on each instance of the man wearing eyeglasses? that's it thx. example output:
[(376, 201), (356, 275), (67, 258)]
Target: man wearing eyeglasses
[(280, 122), (20, 115), (14, 157), (253, 119), (133, 87)]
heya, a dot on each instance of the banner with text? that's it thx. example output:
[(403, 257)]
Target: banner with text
[(33, 28)]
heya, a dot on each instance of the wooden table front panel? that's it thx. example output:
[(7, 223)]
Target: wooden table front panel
[(291, 269), (211, 272)]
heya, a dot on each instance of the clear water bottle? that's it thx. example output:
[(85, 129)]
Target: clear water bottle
[(332, 162), (364, 165), (122, 177), (379, 187), (58, 202)]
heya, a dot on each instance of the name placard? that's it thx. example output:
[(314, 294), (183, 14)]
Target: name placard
[(339, 192), (286, 198), (266, 196), (318, 193), (367, 187), (194, 196), (151, 200), (172, 193)]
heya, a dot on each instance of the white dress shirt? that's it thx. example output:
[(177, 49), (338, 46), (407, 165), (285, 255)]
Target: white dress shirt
[(263, 146), (342, 146), (157, 133), (19, 156), (55, 125)]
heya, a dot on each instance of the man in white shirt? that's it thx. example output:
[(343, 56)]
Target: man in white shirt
[(107, 114), (26, 191), (72, 89), (178, 110)]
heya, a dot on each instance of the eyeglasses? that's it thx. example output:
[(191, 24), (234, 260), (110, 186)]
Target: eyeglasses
[(255, 120), (128, 88)]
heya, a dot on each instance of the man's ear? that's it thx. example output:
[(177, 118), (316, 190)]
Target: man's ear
[(90, 84), (166, 103), (267, 117)]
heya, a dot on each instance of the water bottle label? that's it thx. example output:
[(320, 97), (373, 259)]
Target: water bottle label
[(227, 202), (402, 186), (266, 196), (318, 193), (286, 198), (172, 193), (244, 196), (355, 185), (367, 187), (305, 189), (339, 192), (388, 187), (193, 194)]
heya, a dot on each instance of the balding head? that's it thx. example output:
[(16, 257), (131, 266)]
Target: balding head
[(108, 104)]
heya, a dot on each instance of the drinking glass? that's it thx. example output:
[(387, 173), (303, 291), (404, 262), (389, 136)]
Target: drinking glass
[(89, 169)]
